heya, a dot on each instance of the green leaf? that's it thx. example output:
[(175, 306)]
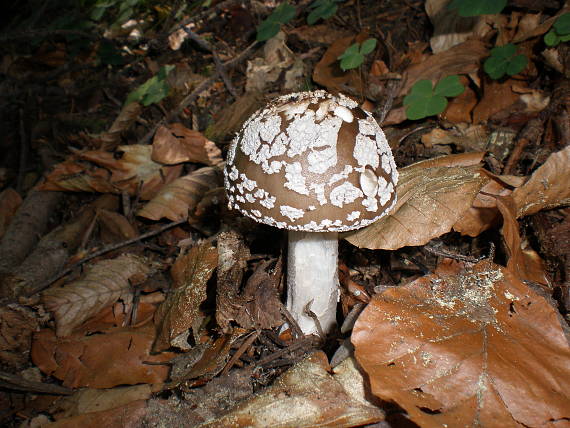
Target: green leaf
[(153, 90), (351, 61), (349, 51), (504, 60), (323, 9), (368, 46), (422, 88), (495, 67), (467, 8), (424, 100), (449, 86), (505, 51), (517, 64), (562, 24), (266, 30), (282, 14), (551, 38), (565, 38)]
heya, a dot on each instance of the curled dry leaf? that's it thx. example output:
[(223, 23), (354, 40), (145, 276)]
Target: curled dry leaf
[(129, 169), (177, 200), (483, 213), (176, 315), (525, 263), (468, 348), (129, 113), (431, 199), (306, 395), (548, 187), (102, 285), (175, 144), (115, 227), (118, 357)]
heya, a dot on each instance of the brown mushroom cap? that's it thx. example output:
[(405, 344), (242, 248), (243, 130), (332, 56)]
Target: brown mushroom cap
[(311, 161)]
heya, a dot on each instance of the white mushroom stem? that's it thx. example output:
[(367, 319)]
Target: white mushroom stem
[(312, 278)]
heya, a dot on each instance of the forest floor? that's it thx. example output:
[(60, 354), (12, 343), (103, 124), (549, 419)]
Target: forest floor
[(130, 295)]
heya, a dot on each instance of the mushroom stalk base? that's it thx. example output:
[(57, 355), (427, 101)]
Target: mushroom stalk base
[(312, 277)]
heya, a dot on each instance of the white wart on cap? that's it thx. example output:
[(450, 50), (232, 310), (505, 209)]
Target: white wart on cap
[(311, 161)]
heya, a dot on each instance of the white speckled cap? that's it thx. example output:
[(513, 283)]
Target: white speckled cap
[(311, 161)]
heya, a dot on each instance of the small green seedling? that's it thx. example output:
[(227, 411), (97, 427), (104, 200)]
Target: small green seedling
[(271, 26), (153, 90), (322, 9), (467, 8), (353, 56), (425, 100), (504, 60), (560, 31)]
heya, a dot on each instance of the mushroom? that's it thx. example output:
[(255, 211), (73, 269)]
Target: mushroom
[(315, 164)]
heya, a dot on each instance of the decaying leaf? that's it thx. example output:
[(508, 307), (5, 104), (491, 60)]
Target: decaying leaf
[(10, 201), (128, 115), (118, 357), (175, 144), (128, 169), (17, 323), (467, 348), (431, 199), (115, 227), (102, 285), (548, 187), (177, 200), (306, 395), (96, 400), (177, 315)]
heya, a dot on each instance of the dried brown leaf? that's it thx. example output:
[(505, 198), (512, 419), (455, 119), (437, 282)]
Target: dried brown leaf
[(431, 199), (548, 187), (524, 263), (190, 273), (128, 115), (177, 200), (175, 144), (102, 285), (10, 201), (467, 348), (305, 396), (118, 357), (115, 227), (129, 169), (128, 415), (328, 73), (17, 323), (97, 400)]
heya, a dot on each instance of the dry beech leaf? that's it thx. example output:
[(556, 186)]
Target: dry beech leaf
[(431, 199), (128, 115), (17, 323), (129, 415), (548, 187), (327, 72), (118, 357), (175, 144), (97, 400), (190, 274), (129, 169), (468, 348), (177, 200), (484, 214), (498, 97), (102, 285), (306, 395), (526, 264), (115, 227), (10, 201)]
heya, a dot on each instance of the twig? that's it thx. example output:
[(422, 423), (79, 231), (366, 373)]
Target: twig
[(102, 251), (219, 66), (297, 344), (244, 347), (292, 322)]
